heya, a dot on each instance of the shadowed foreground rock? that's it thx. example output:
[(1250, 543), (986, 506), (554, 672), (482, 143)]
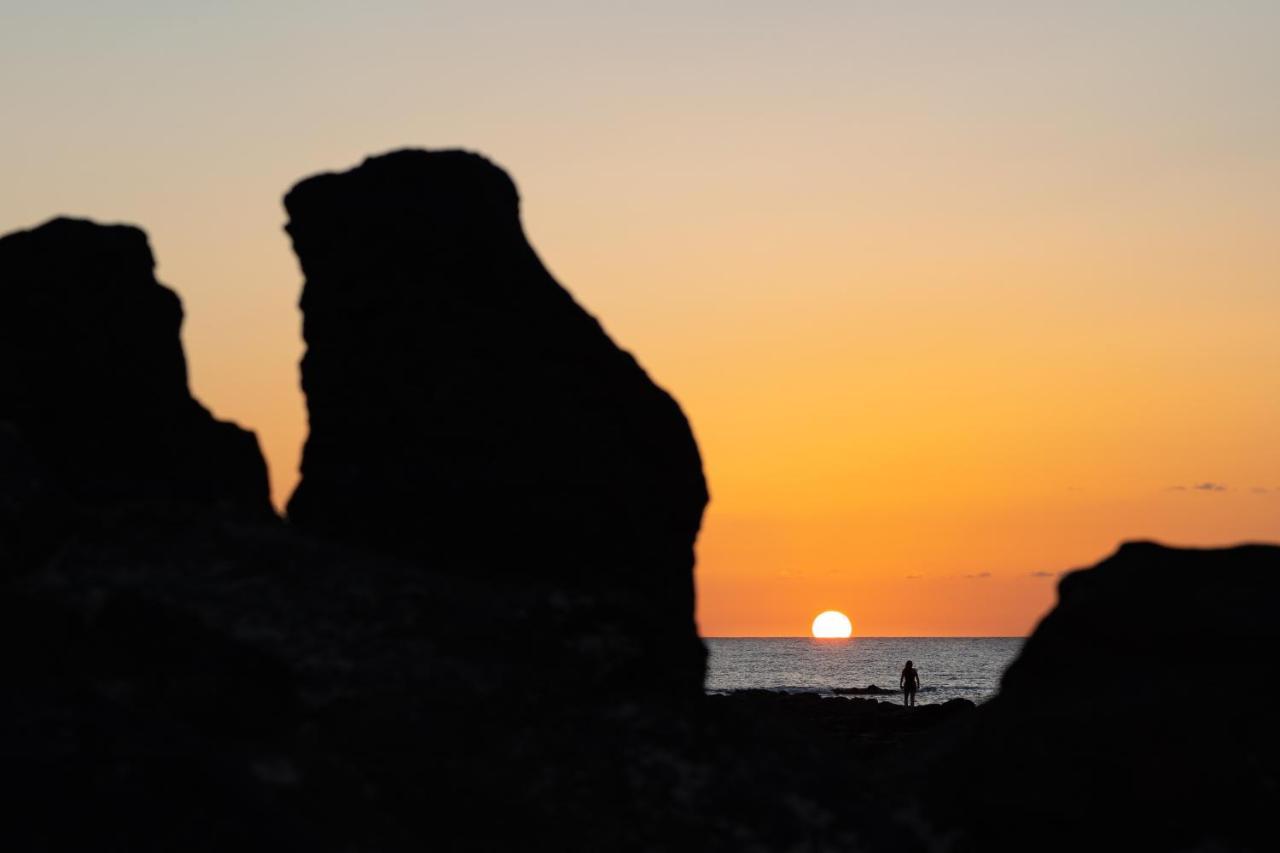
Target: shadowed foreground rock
[(93, 377), (467, 413), (1143, 703)]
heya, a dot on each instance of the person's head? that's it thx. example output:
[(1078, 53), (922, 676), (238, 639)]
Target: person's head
[(908, 666)]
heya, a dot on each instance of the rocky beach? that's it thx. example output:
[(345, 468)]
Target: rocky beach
[(187, 670)]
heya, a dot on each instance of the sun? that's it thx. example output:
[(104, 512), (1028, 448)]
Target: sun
[(832, 624)]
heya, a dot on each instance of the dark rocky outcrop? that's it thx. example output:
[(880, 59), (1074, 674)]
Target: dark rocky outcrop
[(502, 649), (467, 413), (479, 628), (1144, 702), (93, 377)]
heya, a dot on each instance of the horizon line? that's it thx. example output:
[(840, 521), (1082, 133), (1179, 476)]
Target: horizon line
[(866, 637)]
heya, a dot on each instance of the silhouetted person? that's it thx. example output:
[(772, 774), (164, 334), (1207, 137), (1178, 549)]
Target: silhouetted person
[(910, 683)]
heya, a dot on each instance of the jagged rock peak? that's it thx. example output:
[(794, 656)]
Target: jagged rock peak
[(92, 374)]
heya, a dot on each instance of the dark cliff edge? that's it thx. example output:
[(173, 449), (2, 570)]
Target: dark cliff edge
[(476, 631)]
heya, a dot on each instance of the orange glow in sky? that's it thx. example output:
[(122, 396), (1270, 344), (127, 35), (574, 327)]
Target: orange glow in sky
[(956, 297)]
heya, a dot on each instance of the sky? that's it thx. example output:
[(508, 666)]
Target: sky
[(957, 296)]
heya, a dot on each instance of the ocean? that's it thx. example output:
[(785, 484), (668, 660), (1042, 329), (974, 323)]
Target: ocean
[(950, 667)]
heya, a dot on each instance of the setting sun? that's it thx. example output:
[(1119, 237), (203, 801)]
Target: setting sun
[(832, 624)]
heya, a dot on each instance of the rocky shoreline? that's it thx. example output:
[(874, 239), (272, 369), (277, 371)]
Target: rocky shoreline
[(187, 671), (869, 690)]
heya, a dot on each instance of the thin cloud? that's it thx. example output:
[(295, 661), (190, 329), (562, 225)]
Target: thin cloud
[(1043, 574), (914, 577), (1206, 486), (979, 575)]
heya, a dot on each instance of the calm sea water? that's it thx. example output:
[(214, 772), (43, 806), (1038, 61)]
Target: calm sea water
[(950, 667)]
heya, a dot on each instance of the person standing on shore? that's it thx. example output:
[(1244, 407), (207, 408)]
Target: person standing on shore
[(910, 683)]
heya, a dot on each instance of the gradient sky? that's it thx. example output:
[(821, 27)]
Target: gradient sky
[(956, 295)]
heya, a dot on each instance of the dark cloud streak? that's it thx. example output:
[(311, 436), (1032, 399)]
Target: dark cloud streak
[(1206, 486)]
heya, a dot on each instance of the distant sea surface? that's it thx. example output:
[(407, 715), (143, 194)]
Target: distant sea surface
[(950, 667)]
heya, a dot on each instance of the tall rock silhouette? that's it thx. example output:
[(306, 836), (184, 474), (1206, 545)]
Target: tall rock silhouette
[(93, 377), (465, 411)]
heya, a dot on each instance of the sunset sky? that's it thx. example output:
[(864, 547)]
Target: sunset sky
[(956, 295)]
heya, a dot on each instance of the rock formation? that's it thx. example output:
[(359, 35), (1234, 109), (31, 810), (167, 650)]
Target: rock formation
[(93, 377), (502, 649), (1143, 702), (466, 412)]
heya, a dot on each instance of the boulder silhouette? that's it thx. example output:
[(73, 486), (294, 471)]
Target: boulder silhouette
[(93, 377), (1143, 702), (466, 412)]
